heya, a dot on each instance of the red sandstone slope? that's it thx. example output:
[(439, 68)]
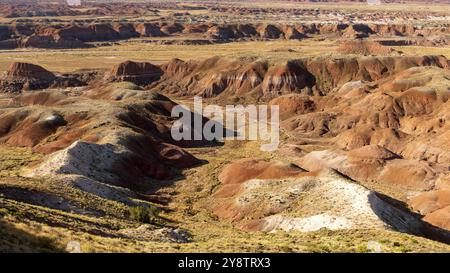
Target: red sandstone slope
[(129, 124), (237, 79)]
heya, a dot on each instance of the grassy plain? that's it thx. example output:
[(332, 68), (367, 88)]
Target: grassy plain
[(104, 57)]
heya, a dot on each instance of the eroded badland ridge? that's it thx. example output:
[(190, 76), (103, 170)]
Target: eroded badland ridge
[(87, 156)]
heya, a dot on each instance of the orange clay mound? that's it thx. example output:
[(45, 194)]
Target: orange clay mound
[(245, 169), (362, 47)]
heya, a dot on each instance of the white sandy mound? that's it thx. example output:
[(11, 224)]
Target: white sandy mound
[(328, 200), (342, 205), (306, 224), (91, 160)]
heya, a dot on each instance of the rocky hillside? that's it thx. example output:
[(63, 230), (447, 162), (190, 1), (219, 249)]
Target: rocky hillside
[(231, 79)]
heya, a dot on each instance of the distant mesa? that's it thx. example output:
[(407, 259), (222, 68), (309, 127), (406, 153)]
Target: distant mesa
[(136, 72), (25, 76), (28, 71), (79, 35)]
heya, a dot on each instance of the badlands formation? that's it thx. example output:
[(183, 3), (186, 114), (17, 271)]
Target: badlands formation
[(88, 155)]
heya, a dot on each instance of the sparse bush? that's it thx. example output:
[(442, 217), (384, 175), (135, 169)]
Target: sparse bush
[(362, 249), (144, 214), (286, 249), (3, 212)]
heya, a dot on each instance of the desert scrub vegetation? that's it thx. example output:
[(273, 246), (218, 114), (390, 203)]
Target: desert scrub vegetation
[(14, 239), (144, 214), (13, 159)]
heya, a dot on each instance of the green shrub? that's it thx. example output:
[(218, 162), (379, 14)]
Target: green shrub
[(362, 249), (3, 212), (144, 214)]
